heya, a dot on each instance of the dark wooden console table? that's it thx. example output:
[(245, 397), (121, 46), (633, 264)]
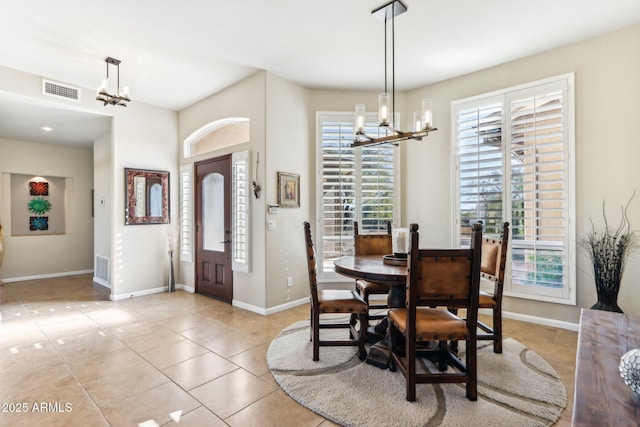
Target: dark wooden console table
[(601, 397)]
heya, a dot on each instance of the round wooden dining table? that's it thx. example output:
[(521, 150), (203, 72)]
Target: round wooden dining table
[(373, 269)]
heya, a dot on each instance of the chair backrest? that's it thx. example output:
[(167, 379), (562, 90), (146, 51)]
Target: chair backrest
[(444, 277), (372, 244), (311, 264), (494, 256)]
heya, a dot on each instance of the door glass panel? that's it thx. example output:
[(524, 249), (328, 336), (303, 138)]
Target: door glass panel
[(213, 212)]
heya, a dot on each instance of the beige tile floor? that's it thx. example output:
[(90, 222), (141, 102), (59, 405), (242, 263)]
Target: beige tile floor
[(71, 357)]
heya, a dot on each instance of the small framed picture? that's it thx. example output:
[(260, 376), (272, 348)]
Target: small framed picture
[(288, 190)]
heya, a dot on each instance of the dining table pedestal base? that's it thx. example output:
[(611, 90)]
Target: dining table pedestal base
[(378, 355)]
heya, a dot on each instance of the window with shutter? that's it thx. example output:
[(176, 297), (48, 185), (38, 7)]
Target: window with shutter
[(514, 164), (240, 211), (356, 184), (186, 250)]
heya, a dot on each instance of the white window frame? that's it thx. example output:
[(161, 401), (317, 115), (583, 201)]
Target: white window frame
[(240, 212), (186, 217), (566, 295), (326, 273)]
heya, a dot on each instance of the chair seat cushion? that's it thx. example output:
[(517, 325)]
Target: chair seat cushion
[(371, 288), (486, 300), (431, 324), (341, 301)]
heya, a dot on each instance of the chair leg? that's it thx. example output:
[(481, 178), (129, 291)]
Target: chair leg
[(311, 320), (497, 329), (410, 350), (472, 369), (352, 321), (362, 335), (316, 335), (392, 336)]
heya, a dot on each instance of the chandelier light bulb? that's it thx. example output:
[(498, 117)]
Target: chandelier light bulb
[(417, 121), (384, 101), (124, 93), (360, 118), (427, 113), (104, 86)]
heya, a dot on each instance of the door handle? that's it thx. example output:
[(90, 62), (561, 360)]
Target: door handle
[(226, 241)]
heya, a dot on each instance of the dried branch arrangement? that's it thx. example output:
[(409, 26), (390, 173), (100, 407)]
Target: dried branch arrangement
[(609, 249)]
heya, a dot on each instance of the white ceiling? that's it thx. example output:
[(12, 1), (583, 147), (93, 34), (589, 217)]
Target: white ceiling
[(175, 53)]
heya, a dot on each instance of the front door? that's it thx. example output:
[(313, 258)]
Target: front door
[(214, 277)]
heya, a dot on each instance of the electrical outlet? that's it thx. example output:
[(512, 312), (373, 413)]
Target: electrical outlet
[(289, 282)]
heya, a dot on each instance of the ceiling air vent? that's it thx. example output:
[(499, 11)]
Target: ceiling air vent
[(60, 90)]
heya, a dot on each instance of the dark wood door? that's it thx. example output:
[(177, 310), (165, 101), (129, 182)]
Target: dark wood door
[(214, 277)]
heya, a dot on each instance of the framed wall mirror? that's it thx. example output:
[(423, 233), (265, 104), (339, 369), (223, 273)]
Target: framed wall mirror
[(147, 196)]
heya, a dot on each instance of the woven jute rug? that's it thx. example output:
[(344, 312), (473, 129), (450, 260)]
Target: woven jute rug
[(515, 388)]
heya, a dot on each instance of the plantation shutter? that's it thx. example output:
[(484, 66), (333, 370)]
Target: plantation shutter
[(240, 211), (538, 183), (480, 166), (513, 164), (357, 184), (338, 189), (186, 251)]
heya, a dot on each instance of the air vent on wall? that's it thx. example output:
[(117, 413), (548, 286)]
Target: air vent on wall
[(102, 268), (60, 90)]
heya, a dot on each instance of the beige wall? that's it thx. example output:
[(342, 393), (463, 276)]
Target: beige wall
[(289, 147), (29, 256), (103, 197), (245, 99), (607, 87), (142, 136)]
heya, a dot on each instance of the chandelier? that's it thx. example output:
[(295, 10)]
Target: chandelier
[(422, 120), (120, 97)]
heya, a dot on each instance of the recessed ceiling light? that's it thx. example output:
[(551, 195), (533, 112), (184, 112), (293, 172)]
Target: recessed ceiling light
[(47, 129)]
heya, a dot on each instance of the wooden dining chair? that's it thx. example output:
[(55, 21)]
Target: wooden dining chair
[(438, 278), (494, 260), (373, 244), (333, 301)]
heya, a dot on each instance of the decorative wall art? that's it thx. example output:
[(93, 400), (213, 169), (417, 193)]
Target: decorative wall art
[(288, 190), (38, 188), (147, 195), (38, 223), (39, 203), (39, 206)]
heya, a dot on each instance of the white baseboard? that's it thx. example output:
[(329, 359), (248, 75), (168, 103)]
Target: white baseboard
[(150, 292), (267, 311), (186, 288), (541, 321), (118, 297), (46, 276)]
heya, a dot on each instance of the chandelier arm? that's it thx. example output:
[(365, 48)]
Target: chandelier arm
[(400, 136)]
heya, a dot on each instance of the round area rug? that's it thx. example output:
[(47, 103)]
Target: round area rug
[(515, 388)]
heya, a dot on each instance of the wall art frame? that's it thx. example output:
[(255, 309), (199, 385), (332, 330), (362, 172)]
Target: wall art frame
[(288, 190), (146, 196)]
